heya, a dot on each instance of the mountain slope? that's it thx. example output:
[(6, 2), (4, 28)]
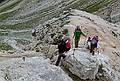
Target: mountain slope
[(18, 14), (108, 33), (17, 17)]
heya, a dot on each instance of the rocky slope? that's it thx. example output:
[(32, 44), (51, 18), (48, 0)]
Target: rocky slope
[(17, 17), (33, 69), (88, 67), (91, 25), (79, 64), (18, 14)]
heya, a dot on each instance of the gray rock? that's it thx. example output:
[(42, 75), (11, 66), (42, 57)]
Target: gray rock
[(86, 66), (33, 69), (82, 64)]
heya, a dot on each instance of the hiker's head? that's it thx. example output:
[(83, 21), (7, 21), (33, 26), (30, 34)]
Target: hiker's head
[(65, 31), (97, 37), (78, 28), (89, 38)]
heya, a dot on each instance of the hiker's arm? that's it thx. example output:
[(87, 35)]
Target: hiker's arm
[(84, 34), (73, 35)]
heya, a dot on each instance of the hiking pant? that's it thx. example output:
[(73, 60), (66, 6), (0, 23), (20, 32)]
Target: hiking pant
[(59, 58), (93, 46), (89, 45), (76, 43)]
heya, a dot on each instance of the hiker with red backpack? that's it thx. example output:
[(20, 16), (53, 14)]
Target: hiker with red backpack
[(64, 45), (77, 34)]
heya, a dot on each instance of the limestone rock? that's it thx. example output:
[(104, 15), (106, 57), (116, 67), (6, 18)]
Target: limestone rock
[(81, 64), (86, 66), (33, 69)]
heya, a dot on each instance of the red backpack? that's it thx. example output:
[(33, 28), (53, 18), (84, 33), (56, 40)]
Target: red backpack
[(68, 45)]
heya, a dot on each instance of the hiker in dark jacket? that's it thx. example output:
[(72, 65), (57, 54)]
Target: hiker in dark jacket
[(63, 46), (94, 44), (34, 32), (77, 35)]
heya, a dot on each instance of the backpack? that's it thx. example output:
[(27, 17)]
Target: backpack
[(61, 46), (68, 45), (93, 41), (64, 46)]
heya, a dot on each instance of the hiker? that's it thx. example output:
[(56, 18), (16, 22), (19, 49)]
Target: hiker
[(94, 44), (88, 43), (77, 35), (34, 32), (63, 46)]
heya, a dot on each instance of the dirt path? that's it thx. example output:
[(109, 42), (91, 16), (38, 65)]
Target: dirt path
[(27, 54)]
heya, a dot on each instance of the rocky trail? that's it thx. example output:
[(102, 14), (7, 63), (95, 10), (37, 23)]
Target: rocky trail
[(79, 65), (31, 58)]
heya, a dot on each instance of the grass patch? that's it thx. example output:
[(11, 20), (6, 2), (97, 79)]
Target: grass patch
[(3, 33), (4, 16), (10, 6), (16, 26), (4, 46), (7, 15), (77, 4), (96, 6)]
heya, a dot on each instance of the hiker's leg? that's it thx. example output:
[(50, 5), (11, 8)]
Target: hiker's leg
[(94, 48), (63, 55), (76, 43), (58, 60), (89, 44), (91, 47), (93, 52)]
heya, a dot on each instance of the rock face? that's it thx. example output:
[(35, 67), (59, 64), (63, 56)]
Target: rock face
[(86, 66), (82, 65), (33, 69)]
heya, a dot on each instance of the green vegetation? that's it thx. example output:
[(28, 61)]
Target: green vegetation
[(7, 15), (96, 6), (16, 26), (4, 46), (10, 6), (3, 33), (77, 4), (45, 14), (4, 16)]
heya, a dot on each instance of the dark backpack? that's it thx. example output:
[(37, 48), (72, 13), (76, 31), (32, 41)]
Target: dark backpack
[(64, 46), (93, 41)]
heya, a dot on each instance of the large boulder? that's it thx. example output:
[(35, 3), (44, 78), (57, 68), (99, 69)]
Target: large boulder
[(32, 69), (81, 64), (86, 66)]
